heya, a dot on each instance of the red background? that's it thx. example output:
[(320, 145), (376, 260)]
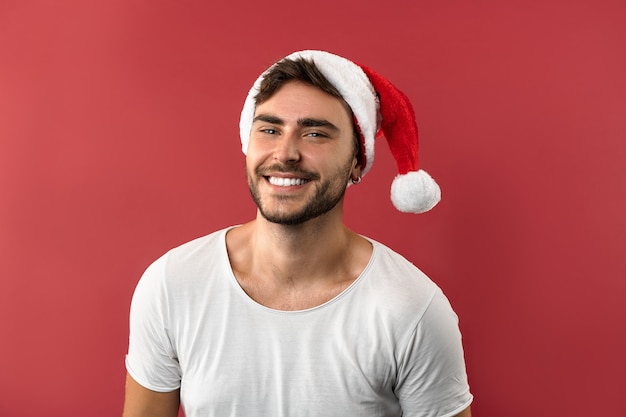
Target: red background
[(119, 140)]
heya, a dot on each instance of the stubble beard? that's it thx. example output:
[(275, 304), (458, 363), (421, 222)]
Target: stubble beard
[(326, 196)]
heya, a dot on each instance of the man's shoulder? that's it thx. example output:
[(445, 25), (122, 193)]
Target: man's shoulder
[(392, 260), (393, 275), (392, 292), (198, 245), (207, 249), (190, 263)]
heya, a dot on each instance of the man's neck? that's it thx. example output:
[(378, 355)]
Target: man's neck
[(300, 251), (309, 263)]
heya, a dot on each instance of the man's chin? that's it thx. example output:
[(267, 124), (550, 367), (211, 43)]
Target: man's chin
[(284, 219)]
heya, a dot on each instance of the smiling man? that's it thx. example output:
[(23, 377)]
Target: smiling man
[(292, 313), (300, 120)]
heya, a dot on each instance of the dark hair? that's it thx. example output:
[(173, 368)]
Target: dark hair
[(305, 71)]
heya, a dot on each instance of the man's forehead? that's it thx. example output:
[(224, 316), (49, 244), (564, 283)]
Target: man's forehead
[(311, 100)]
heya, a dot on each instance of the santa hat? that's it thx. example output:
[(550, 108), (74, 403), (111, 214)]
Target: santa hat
[(378, 107)]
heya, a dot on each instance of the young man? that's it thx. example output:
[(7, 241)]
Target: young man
[(293, 314)]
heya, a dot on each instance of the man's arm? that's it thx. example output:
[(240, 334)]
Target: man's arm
[(465, 413), (142, 402)]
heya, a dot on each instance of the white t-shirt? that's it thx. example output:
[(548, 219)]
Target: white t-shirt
[(388, 345)]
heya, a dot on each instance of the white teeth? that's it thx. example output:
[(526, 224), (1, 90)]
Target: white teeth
[(286, 182)]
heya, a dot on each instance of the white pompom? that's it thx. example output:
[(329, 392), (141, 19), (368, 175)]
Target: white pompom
[(415, 192)]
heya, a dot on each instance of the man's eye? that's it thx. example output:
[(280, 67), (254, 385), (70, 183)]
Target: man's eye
[(316, 134), (269, 131)]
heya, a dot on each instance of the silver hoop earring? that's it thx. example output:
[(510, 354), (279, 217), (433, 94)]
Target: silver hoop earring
[(355, 182)]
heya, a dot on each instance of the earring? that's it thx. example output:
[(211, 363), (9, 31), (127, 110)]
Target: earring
[(355, 182)]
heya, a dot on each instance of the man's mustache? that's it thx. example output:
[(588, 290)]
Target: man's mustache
[(296, 172)]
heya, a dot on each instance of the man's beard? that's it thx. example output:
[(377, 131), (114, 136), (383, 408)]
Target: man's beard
[(326, 196)]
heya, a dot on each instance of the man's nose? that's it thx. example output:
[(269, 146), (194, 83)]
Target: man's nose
[(288, 148)]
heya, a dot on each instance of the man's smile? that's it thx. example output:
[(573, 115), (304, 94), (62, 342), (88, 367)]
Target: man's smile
[(286, 182)]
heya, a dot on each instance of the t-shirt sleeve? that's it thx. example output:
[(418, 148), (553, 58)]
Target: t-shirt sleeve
[(152, 360), (432, 380)]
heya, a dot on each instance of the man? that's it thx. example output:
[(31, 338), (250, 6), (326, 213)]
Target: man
[(293, 314)]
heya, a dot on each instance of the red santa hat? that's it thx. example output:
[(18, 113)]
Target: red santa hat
[(379, 109)]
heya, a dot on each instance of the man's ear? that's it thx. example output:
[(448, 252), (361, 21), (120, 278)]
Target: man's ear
[(355, 174)]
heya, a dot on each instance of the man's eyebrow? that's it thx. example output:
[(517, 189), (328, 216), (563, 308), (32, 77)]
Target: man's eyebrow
[(310, 122), (304, 122), (268, 119)]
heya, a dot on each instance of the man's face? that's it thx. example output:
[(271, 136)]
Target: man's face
[(301, 154)]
